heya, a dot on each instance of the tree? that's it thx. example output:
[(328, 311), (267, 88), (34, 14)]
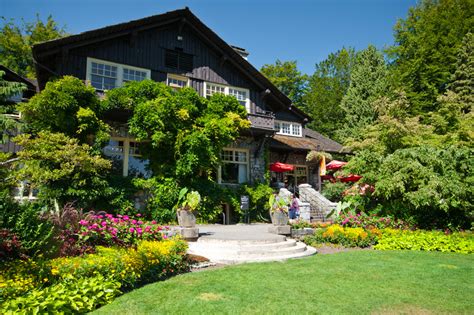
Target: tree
[(427, 42), (67, 106), (368, 82), (463, 78), (286, 76), (61, 168), (7, 90), (16, 42), (326, 88)]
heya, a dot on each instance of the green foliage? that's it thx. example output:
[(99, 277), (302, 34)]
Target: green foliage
[(287, 78), (463, 78), (16, 42), (9, 88), (426, 240), (187, 132), (35, 234), (427, 42), (368, 82), (326, 88), (61, 168), (277, 203), (334, 191), (69, 107), (75, 296), (258, 205), (188, 200)]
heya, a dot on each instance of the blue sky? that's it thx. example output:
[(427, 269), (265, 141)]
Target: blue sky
[(302, 30)]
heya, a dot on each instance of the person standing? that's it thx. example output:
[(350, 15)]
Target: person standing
[(294, 207)]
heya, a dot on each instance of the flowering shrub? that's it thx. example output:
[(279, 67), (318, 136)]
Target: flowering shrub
[(129, 267), (346, 236), (368, 221), (123, 230), (458, 242)]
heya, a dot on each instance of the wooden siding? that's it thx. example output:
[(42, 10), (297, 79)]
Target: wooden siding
[(147, 51)]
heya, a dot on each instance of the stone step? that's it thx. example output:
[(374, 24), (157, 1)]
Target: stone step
[(226, 246), (274, 239), (231, 261), (216, 252)]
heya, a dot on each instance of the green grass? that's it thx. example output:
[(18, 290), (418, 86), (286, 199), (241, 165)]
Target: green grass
[(356, 282)]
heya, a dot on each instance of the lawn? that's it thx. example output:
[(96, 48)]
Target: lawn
[(352, 282)]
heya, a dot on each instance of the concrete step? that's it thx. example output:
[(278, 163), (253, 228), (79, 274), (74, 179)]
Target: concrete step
[(220, 252)]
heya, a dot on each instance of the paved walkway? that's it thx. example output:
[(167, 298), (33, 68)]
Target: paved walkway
[(233, 244)]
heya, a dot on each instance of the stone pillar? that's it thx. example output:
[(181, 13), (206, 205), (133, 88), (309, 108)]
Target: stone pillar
[(305, 211)]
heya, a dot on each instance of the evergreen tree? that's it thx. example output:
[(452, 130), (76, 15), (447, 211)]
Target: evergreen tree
[(427, 42), (368, 82), (326, 88), (463, 79)]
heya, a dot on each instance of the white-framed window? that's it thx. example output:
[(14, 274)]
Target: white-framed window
[(177, 81), (106, 75), (242, 95), (126, 157), (288, 128), (235, 166)]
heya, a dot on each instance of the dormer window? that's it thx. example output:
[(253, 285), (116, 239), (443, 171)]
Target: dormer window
[(288, 128), (105, 75), (242, 95)]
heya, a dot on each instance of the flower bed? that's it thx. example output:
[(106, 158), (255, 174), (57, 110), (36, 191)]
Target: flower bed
[(369, 221), (37, 286), (346, 236)]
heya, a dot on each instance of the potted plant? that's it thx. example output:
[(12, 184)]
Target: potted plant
[(186, 207), (278, 210)]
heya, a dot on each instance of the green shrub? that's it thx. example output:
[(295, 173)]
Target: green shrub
[(426, 240), (72, 296), (334, 191), (258, 194), (36, 235)]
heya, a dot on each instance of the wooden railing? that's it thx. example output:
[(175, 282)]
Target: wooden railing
[(264, 120)]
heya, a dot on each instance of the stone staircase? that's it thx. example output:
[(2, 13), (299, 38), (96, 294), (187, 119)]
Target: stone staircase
[(241, 244), (320, 206), (242, 251)]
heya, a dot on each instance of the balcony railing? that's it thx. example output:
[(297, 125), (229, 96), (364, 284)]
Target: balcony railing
[(265, 121)]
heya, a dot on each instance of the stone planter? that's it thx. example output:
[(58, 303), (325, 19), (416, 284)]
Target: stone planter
[(279, 218), (298, 233), (186, 219)]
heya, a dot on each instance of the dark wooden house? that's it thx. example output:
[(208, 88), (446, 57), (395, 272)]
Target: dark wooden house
[(179, 49)]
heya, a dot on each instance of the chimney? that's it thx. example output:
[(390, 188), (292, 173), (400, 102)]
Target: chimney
[(241, 51)]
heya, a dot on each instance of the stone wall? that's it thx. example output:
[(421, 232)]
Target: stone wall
[(320, 205)]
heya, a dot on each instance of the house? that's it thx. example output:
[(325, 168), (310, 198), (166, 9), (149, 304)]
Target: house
[(179, 49), (6, 145)]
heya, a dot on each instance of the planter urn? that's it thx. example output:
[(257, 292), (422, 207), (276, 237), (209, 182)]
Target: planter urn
[(186, 219), (279, 218)]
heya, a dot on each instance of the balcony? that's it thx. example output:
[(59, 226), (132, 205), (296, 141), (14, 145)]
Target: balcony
[(262, 121)]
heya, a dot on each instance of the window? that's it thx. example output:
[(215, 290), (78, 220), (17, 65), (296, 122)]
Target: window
[(242, 95), (105, 75), (126, 157), (178, 60), (288, 128), (234, 168), (177, 81)]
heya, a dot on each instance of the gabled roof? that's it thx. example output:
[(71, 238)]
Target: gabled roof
[(184, 16), (311, 140)]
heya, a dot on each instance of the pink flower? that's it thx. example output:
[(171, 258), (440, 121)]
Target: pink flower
[(119, 215), (165, 236), (139, 214), (139, 230), (134, 221), (83, 222), (104, 223), (125, 217), (153, 222), (140, 222), (131, 230), (148, 228), (115, 220)]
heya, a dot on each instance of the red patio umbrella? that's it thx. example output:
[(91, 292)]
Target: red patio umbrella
[(281, 167), (335, 165), (349, 178)]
